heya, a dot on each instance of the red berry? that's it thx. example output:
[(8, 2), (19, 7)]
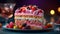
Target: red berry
[(40, 11), (11, 26), (45, 27), (7, 26), (11, 23)]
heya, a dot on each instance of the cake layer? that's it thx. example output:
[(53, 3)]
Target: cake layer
[(28, 14)]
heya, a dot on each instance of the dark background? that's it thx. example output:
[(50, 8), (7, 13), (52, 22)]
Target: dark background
[(46, 5)]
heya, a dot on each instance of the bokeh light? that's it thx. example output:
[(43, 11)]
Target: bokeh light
[(58, 9), (52, 12)]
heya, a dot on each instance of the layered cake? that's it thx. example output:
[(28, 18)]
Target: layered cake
[(29, 17)]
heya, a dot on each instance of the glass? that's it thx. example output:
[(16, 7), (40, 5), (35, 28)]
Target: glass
[(7, 10)]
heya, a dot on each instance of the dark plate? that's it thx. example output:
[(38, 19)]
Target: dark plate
[(4, 27)]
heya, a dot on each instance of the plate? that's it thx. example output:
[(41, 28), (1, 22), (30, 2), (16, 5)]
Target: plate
[(4, 27)]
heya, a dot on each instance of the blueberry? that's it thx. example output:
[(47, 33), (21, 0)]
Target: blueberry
[(27, 27), (24, 25)]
